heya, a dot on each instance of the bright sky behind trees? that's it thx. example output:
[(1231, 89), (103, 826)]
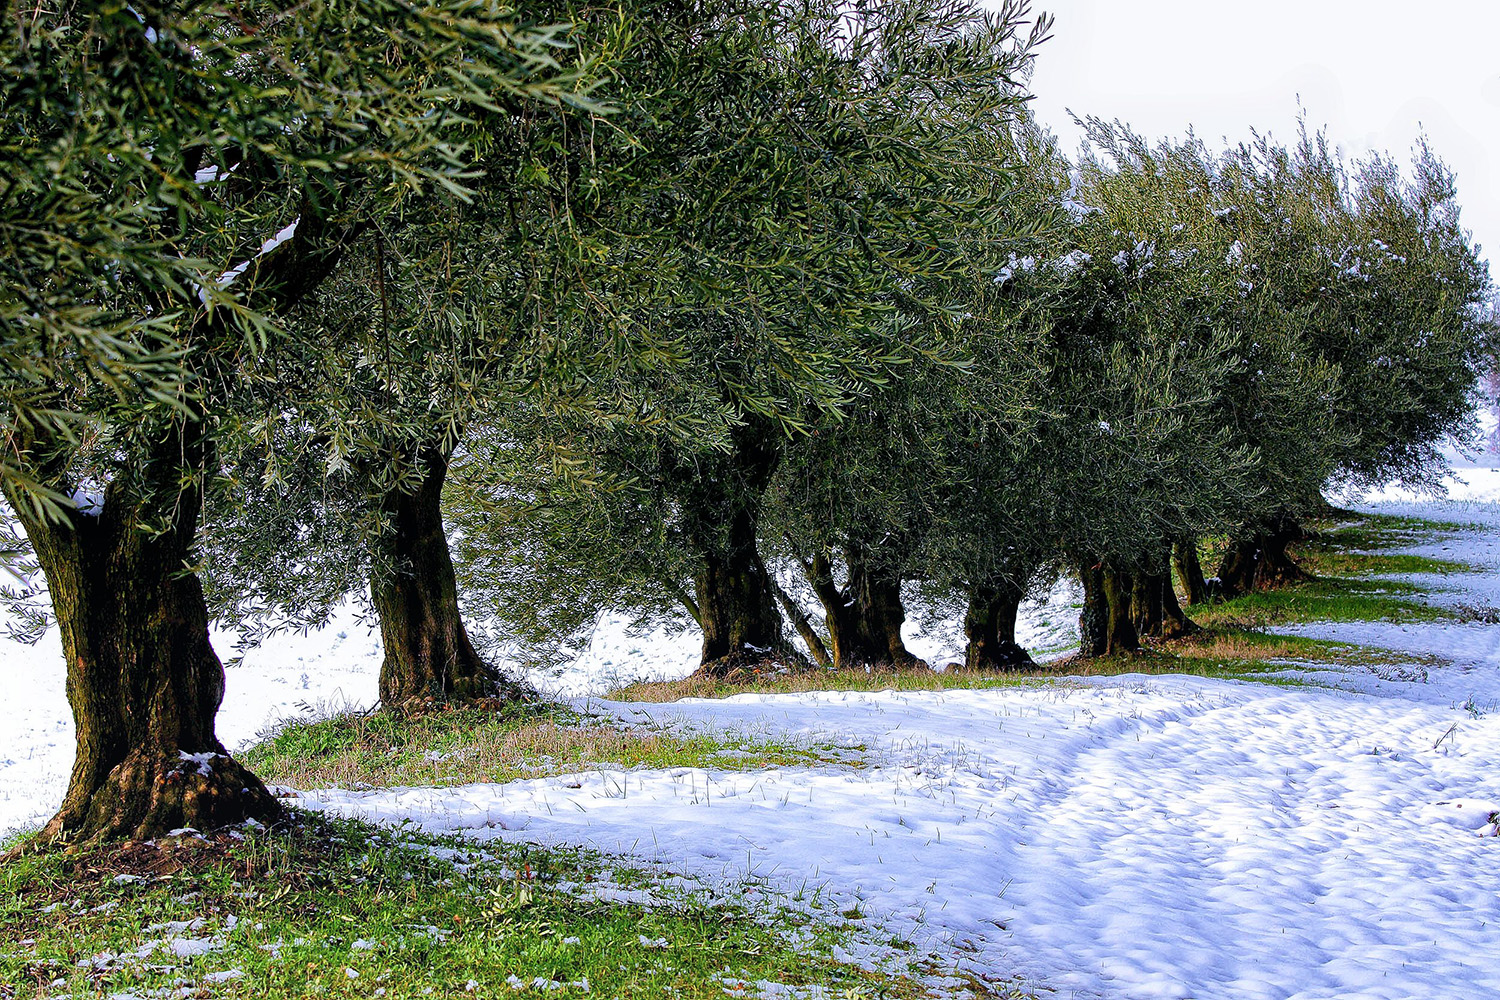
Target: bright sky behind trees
[(1375, 72)]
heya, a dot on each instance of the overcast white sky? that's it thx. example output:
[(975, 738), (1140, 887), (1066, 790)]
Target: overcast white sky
[(1373, 71)]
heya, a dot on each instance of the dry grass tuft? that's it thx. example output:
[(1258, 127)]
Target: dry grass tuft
[(470, 745), (920, 679)]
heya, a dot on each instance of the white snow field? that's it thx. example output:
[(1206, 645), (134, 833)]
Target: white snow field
[(1124, 837)]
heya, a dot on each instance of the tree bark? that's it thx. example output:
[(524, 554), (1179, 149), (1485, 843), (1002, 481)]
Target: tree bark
[(1258, 559), (1277, 568), (1190, 569), (143, 681), (877, 600), (1104, 625), (840, 614), (1175, 622), (415, 591), (1146, 604), (735, 602), (864, 617), (990, 626), (736, 594), (1093, 619), (1155, 611)]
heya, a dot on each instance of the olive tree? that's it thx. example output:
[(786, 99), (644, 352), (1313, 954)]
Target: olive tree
[(202, 169)]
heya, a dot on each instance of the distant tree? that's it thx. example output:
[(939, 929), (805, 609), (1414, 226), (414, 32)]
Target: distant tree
[(1370, 278)]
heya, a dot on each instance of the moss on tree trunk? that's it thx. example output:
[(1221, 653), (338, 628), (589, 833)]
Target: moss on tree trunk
[(415, 592), (143, 681)]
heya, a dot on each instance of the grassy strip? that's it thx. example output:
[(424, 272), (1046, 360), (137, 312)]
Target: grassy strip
[(1343, 556), (1228, 652), (797, 682), (1325, 599), (1352, 547), (1351, 581), (342, 909), (465, 745)]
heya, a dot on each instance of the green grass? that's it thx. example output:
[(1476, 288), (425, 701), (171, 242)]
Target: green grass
[(919, 679), (341, 909), (1228, 651), (466, 745), (1351, 584), (1352, 547), (1325, 599)]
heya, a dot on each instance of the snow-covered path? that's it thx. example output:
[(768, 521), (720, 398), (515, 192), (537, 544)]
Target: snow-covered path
[(1139, 838), (1119, 838), (1123, 838)]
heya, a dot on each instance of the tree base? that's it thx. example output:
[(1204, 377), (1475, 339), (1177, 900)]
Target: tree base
[(750, 663), (150, 794), (1006, 657), (497, 695)]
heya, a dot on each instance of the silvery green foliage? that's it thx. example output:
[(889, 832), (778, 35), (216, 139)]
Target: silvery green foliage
[(171, 176), (817, 191)]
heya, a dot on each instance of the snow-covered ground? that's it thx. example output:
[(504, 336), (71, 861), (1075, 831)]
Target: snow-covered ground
[(292, 675), (1125, 838)]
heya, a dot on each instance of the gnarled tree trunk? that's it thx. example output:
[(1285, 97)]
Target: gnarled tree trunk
[(1258, 559), (877, 600), (864, 617), (736, 594), (1154, 608), (990, 626), (1118, 586), (415, 591), (736, 605), (143, 681), (1146, 604), (1105, 625), (1190, 569)]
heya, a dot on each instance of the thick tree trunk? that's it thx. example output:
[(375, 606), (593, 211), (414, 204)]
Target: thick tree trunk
[(427, 650), (142, 679), (1190, 569), (1175, 622), (1093, 619), (736, 594), (1260, 560), (1146, 604), (1123, 637), (735, 605), (990, 626), (864, 618), (1154, 606), (877, 599), (1277, 567)]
